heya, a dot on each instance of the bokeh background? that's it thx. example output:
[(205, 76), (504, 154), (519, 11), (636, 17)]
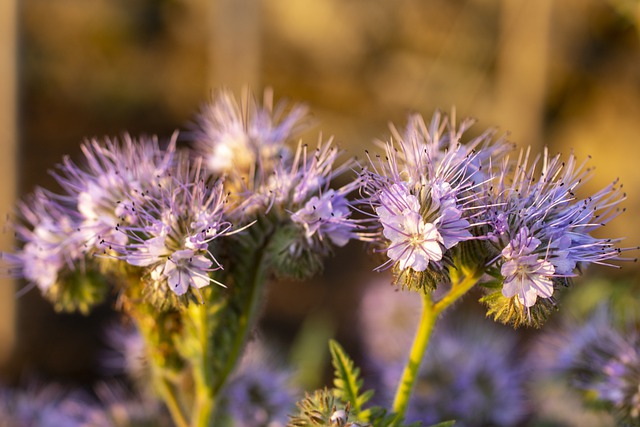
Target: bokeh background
[(558, 73)]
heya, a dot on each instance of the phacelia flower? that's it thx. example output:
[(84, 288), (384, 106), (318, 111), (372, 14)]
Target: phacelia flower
[(247, 139), (525, 275), (311, 216), (113, 172), (49, 239), (412, 241), (540, 232), (172, 237), (424, 194), (322, 212)]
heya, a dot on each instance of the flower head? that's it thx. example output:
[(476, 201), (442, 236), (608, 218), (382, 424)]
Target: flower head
[(540, 230), (424, 194), (113, 172), (247, 139), (311, 216), (49, 239), (174, 232)]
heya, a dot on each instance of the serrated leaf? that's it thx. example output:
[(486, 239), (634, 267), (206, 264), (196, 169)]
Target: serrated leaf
[(347, 381)]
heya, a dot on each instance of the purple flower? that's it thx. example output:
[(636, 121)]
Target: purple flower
[(246, 139), (50, 241), (598, 359), (260, 392), (525, 275), (412, 242), (424, 192), (174, 230), (113, 173), (541, 230), (302, 191)]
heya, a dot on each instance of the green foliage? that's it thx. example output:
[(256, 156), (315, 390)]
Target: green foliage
[(316, 409), (78, 291), (347, 380), (348, 388)]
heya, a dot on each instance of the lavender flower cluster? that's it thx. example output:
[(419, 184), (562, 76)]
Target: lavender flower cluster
[(440, 203), (133, 203), (157, 223)]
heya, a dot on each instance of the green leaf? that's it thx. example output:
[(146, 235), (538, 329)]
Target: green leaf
[(347, 379)]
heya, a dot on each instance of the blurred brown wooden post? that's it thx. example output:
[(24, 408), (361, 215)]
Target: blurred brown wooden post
[(235, 44), (8, 164), (522, 67)]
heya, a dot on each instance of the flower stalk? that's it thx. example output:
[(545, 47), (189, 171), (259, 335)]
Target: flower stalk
[(430, 313)]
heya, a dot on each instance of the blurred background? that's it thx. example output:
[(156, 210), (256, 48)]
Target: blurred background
[(563, 74)]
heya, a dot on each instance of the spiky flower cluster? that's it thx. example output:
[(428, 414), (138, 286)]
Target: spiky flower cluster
[(267, 179), (539, 232), (162, 213), (173, 234), (245, 140), (62, 232), (442, 205), (425, 195)]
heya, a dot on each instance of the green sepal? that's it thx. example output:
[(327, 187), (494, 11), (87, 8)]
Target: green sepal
[(291, 256), (78, 291), (510, 311), (419, 281)]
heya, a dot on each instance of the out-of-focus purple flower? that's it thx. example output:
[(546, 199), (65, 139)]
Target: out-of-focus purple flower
[(50, 241), (55, 406), (44, 406), (125, 354), (540, 229), (599, 360), (259, 394), (247, 138)]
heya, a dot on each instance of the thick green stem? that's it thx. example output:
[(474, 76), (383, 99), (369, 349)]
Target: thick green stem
[(207, 387), (250, 311), (248, 288), (430, 313)]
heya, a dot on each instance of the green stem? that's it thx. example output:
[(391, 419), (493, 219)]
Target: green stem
[(430, 313), (169, 398), (203, 404), (420, 342), (248, 317)]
